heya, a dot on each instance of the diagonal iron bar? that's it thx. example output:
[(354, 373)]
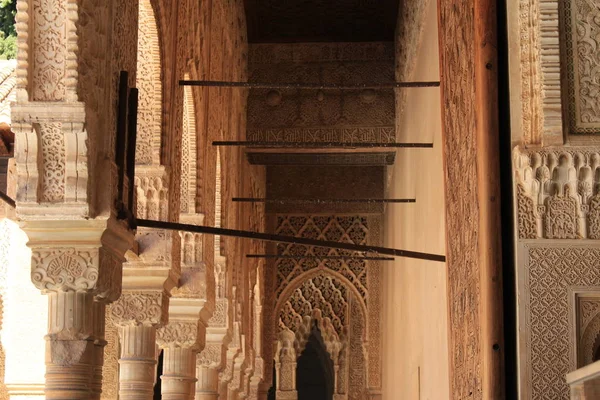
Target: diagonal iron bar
[(311, 86), (4, 197), (269, 237)]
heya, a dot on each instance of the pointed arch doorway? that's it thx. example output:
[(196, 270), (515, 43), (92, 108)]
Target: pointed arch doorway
[(315, 371)]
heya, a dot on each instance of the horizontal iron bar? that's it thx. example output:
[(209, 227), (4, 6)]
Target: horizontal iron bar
[(4, 197), (288, 239), (312, 257), (319, 145), (319, 201), (312, 86)]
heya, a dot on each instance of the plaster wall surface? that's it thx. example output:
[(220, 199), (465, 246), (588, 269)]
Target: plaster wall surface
[(415, 337)]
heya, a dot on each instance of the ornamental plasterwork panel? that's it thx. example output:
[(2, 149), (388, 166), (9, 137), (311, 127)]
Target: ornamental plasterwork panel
[(581, 20), (137, 308), (558, 193), (535, 70), (350, 229), (550, 276), (149, 83), (294, 115)]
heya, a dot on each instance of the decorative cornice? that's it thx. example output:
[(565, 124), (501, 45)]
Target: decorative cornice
[(558, 192)]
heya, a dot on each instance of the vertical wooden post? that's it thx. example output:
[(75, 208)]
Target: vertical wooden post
[(469, 89)]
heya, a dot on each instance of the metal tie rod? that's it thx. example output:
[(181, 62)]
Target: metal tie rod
[(312, 86), (313, 257), (320, 145), (4, 197), (319, 201), (288, 239)]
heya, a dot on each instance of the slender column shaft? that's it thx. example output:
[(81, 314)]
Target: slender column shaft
[(207, 386), (178, 374), (69, 345), (137, 365), (99, 344)]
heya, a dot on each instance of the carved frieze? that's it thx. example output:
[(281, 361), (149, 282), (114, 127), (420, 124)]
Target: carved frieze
[(558, 193), (330, 115)]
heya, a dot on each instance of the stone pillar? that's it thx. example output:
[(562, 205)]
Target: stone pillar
[(210, 361), (77, 264), (181, 340), (137, 315), (285, 366)]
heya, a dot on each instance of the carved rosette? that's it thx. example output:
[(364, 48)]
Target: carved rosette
[(140, 308), (179, 334)]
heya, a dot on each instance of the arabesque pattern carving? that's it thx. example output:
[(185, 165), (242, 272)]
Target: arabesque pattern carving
[(558, 193), (140, 308), (582, 38), (52, 145), (50, 44), (64, 269), (179, 334), (321, 292), (149, 84), (351, 229), (294, 115), (548, 275)]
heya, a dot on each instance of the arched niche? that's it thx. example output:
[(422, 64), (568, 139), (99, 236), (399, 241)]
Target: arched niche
[(149, 84), (189, 153), (326, 303)]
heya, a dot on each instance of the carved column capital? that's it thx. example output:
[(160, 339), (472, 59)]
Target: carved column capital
[(140, 308), (180, 334), (78, 255)]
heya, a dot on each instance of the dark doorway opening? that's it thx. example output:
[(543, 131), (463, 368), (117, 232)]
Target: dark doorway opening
[(314, 371)]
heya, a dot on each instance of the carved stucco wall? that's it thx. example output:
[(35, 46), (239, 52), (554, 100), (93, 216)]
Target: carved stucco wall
[(333, 287), (550, 277), (557, 207), (328, 115)]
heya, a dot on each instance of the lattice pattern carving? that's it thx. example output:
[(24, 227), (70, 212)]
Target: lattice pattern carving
[(351, 229), (548, 275)]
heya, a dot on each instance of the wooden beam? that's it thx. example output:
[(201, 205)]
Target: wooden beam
[(469, 90), (310, 86)]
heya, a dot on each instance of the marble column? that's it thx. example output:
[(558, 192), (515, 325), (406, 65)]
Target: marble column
[(285, 366), (77, 264), (137, 315)]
